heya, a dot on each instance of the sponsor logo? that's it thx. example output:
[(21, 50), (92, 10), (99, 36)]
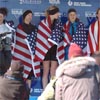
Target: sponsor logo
[(90, 14), (4, 0), (70, 3), (30, 1), (17, 12), (54, 1), (82, 4), (39, 14), (91, 17)]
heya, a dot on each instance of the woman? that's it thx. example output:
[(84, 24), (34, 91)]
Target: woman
[(74, 30), (5, 41), (93, 44), (77, 80), (25, 46), (47, 46)]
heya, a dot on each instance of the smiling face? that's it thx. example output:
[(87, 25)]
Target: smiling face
[(28, 18), (72, 16), (1, 18)]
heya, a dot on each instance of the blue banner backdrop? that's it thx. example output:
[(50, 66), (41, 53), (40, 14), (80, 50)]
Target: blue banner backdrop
[(85, 9)]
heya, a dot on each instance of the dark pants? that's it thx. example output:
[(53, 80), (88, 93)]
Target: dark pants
[(51, 54), (5, 60)]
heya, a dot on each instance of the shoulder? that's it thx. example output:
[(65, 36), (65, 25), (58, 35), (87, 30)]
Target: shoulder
[(20, 26), (67, 24), (34, 26), (59, 21), (93, 24), (43, 21), (80, 23)]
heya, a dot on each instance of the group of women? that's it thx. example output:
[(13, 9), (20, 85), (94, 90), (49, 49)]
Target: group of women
[(51, 38)]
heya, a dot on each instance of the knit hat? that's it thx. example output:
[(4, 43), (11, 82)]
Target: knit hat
[(74, 51), (26, 13), (71, 10)]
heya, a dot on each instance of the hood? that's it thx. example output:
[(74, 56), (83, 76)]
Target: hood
[(75, 67)]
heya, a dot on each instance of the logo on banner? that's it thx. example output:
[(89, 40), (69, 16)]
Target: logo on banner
[(17, 12), (54, 1), (4, 0), (70, 3), (82, 4), (91, 16), (74, 3), (30, 1), (39, 14)]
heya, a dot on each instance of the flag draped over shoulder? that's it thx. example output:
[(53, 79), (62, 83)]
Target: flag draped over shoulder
[(46, 39), (67, 36), (93, 44), (80, 37), (24, 50)]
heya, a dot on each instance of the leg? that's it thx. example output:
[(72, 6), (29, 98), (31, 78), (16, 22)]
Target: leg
[(53, 68), (2, 62), (7, 59), (46, 66), (28, 82)]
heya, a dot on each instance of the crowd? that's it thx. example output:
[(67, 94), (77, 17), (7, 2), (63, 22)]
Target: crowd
[(72, 71)]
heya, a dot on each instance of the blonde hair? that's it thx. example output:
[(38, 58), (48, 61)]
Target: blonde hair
[(50, 8)]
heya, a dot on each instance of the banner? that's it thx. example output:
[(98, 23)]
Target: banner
[(86, 11), (36, 88)]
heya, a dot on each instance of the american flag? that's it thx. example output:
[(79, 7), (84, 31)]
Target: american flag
[(45, 40), (56, 35), (23, 52), (31, 41), (93, 44), (67, 36), (80, 37)]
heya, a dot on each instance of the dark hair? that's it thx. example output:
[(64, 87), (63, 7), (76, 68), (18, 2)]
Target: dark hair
[(26, 13), (4, 11), (51, 10), (71, 10)]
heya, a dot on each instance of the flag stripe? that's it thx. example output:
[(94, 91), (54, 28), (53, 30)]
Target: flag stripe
[(23, 59), (45, 27), (23, 53), (43, 44), (91, 39), (92, 44), (67, 36), (21, 44)]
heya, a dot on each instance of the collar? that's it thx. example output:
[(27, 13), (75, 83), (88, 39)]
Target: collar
[(75, 23)]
